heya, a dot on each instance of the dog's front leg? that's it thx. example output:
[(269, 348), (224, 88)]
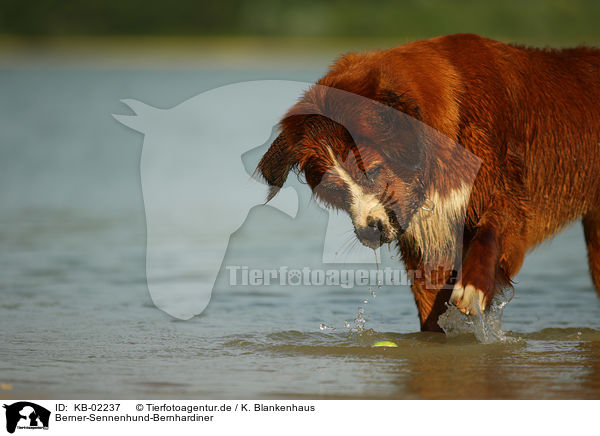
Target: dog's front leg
[(431, 291), (477, 282)]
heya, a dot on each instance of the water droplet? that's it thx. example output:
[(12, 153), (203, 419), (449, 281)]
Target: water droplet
[(359, 321), (376, 260)]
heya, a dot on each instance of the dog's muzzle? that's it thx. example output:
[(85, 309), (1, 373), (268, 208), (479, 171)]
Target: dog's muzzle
[(374, 234)]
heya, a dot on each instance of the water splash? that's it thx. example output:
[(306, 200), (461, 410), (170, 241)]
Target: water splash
[(360, 321), (325, 327), (485, 326)]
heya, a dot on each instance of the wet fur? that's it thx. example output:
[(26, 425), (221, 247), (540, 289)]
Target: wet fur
[(532, 117)]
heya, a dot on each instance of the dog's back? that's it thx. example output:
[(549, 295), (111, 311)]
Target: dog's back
[(532, 116)]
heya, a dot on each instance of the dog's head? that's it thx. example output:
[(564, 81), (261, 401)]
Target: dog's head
[(359, 139), (360, 150)]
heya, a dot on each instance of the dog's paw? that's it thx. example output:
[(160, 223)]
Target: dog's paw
[(468, 299)]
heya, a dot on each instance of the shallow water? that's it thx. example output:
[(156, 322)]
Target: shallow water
[(77, 320)]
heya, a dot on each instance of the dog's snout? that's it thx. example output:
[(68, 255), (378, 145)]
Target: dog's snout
[(369, 235), (375, 223), (374, 233)]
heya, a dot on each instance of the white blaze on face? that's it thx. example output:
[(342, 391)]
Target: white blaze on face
[(362, 204), (437, 232)]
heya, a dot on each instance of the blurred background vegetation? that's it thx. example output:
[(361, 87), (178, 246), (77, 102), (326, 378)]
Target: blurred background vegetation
[(532, 21), (259, 33)]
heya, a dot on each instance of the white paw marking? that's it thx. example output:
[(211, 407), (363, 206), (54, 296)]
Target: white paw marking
[(469, 299)]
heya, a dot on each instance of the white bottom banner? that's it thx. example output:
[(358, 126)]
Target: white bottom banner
[(287, 417)]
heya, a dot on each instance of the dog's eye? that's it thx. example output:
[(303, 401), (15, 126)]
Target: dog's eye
[(374, 172), (333, 193)]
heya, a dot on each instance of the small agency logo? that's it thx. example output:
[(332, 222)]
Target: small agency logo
[(26, 415)]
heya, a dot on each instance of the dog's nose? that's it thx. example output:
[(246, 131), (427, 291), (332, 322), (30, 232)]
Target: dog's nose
[(375, 223), (373, 234), (369, 235)]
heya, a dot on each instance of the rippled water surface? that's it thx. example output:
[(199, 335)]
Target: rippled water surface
[(77, 320)]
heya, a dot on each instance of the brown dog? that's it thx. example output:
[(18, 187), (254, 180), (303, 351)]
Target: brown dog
[(514, 160)]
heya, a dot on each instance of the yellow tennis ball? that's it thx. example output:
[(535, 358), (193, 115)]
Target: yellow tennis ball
[(385, 344)]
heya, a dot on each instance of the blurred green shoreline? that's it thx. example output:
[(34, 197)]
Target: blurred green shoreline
[(101, 52)]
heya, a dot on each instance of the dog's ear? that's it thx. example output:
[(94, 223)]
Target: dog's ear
[(275, 165)]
